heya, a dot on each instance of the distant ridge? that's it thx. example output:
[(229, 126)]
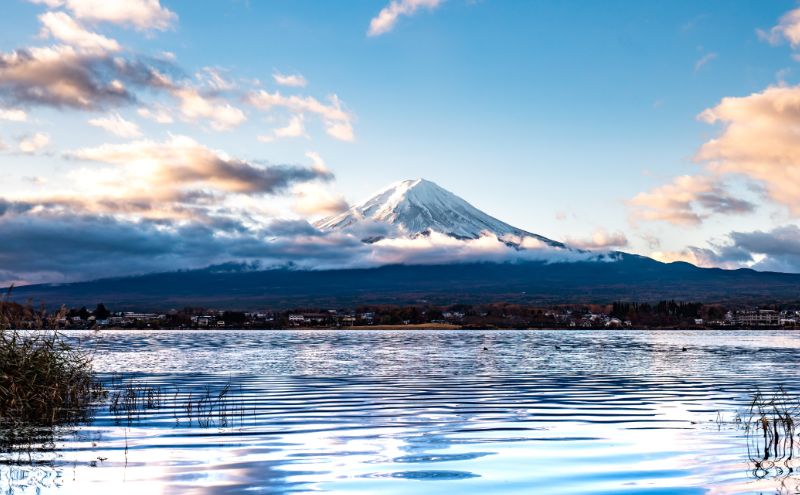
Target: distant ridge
[(631, 278)]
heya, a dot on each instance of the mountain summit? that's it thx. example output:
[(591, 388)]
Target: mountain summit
[(420, 207)]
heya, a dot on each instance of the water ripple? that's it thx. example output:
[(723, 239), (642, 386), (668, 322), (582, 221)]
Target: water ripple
[(353, 411)]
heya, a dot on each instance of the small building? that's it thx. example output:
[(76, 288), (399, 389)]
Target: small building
[(315, 317), (758, 318), (203, 321)]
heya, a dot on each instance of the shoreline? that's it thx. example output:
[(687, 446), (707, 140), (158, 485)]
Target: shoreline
[(437, 326)]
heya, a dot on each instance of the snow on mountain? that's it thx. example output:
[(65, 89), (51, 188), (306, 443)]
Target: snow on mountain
[(419, 207)]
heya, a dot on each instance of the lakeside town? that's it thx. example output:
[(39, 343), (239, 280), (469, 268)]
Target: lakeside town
[(619, 315)]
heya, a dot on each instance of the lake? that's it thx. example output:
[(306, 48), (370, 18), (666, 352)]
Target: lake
[(452, 412)]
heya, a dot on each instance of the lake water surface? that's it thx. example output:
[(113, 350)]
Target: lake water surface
[(453, 412)]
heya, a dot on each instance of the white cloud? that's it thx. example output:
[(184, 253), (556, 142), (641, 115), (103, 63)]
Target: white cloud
[(760, 140), (343, 130), (291, 80), (338, 122), (33, 143), (63, 27), (141, 14), (312, 199), (160, 115), (439, 248), (388, 16), (333, 111), (788, 28), (600, 239), (294, 128), (687, 200), (317, 160), (13, 115), (222, 115), (116, 125)]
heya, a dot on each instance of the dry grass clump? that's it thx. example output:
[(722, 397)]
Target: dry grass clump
[(770, 424), (44, 381), (209, 407)]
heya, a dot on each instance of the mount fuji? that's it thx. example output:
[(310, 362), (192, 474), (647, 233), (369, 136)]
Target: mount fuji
[(419, 207), (417, 213)]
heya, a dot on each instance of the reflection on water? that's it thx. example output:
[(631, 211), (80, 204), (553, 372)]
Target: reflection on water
[(429, 412)]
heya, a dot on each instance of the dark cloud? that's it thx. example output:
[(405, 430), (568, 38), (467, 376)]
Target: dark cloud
[(779, 248), (13, 206), (777, 242), (774, 250), (726, 256), (291, 228), (241, 176), (51, 245), (182, 162), (61, 76), (63, 247), (720, 201)]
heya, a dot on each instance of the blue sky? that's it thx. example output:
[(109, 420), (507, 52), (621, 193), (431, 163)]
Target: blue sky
[(552, 116)]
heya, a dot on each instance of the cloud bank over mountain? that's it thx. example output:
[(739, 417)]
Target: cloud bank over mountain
[(67, 239)]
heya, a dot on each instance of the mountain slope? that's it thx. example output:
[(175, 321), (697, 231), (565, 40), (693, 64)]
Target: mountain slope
[(631, 278), (419, 207)]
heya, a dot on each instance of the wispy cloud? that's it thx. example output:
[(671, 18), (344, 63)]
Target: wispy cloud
[(704, 60), (117, 125), (213, 77), (291, 80), (389, 15)]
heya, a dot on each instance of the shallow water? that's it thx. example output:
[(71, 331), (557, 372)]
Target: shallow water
[(426, 412)]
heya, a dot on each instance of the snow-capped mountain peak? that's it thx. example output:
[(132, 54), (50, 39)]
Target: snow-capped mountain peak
[(418, 207)]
